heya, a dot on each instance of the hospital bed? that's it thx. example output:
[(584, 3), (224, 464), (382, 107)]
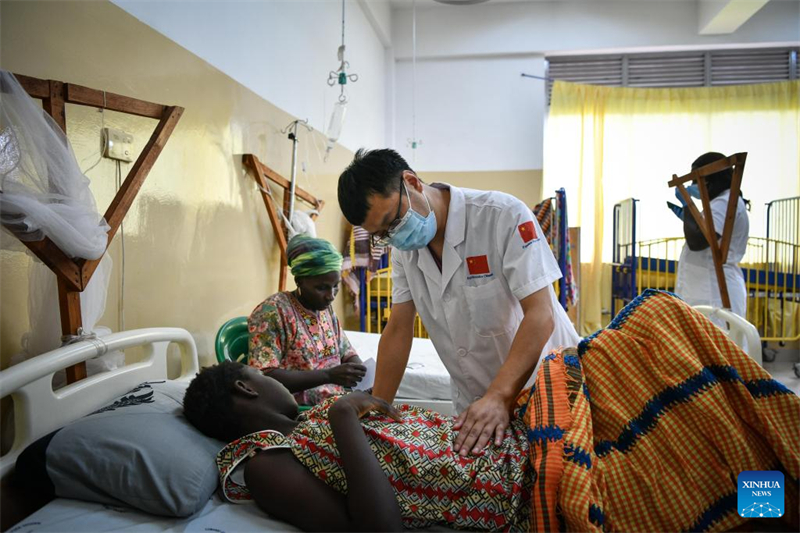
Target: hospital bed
[(39, 411), (426, 382), (771, 268)]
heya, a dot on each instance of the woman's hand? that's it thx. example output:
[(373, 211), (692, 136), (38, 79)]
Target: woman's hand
[(362, 403), (346, 374)]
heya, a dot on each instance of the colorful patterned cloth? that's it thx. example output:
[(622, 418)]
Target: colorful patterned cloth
[(284, 334), (360, 258), (647, 426), (488, 491), (550, 220), (309, 256)]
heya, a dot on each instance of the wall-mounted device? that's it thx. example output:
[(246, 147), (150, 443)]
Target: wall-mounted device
[(117, 145)]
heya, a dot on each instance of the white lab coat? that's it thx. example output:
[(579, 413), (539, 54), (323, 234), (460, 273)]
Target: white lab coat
[(696, 281), (494, 255)]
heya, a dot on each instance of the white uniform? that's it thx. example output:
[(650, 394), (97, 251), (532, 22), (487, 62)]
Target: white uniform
[(696, 282), (494, 255)]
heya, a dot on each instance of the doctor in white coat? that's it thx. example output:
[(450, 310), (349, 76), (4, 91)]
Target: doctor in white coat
[(696, 281), (477, 269)]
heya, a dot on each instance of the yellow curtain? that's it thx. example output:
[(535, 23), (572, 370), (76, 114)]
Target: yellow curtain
[(606, 144)]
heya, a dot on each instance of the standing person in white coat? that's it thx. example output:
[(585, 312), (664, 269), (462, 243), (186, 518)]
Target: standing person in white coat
[(477, 269), (696, 281)]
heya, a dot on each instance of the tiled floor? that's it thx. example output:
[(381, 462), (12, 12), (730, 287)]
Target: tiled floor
[(784, 372), (782, 368)]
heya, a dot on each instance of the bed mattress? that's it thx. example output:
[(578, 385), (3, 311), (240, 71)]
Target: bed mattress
[(218, 516), (65, 515), (426, 378)]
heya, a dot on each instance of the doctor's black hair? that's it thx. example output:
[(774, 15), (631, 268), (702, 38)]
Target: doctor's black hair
[(371, 172), (718, 182), (208, 403)]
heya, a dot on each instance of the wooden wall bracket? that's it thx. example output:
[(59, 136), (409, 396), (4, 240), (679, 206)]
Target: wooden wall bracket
[(261, 173), (705, 221), (74, 274)]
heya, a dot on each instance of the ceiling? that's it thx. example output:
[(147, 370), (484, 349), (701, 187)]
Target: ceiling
[(407, 4)]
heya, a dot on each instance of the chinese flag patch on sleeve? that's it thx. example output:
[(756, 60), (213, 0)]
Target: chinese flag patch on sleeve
[(527, 231), (478, 264)]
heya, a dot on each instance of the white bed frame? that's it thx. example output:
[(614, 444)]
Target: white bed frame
[(741, 332), (38, 410)]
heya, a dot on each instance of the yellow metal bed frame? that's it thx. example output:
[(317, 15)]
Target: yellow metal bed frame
[(771, 270), (379, 288)]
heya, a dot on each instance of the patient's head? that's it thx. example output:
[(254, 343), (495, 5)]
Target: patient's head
[(229, 400)]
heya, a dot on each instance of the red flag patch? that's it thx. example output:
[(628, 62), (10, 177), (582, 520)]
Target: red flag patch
[(527, 231), (478, 264)]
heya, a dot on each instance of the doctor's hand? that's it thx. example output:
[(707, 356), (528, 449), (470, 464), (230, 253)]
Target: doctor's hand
[(346, 374), (484, 419)]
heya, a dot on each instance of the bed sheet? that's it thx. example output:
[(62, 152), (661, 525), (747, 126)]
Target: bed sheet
[(217, 516), (65, 515), (426, 378)]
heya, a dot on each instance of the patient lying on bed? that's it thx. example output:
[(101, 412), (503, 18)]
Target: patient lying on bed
[(586, 450)]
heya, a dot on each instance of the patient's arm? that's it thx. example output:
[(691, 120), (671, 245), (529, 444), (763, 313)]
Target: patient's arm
[(347, 375), (285, 489)]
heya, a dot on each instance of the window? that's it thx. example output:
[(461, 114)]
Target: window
[(676, 69)]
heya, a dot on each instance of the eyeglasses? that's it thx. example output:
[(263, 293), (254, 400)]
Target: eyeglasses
[(382, 239)]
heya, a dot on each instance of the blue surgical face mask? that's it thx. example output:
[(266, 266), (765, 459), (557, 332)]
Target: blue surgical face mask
[(414, 231), (694, 191)]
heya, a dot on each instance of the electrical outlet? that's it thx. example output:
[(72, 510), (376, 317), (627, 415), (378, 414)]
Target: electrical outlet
[(117, 145)]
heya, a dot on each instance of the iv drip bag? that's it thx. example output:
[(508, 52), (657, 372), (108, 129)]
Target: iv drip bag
[(335, 126)]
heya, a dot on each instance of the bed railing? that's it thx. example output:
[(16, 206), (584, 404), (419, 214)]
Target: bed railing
[(624, 254), (771, 267), (39, 410), (783, 220), (379, 295), (771, 271)]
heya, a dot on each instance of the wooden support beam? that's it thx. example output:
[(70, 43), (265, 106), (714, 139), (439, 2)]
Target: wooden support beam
[(35, 87), (286, 184), (54, 104), (69, 304), (261, 173), (730, 214), (80, 95), (74, 274), (65, 268), (705, 221), (133, 182), (69, 296)]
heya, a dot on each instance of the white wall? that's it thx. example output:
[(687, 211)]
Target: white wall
[(542, 26), (474, 112), (283, 50)]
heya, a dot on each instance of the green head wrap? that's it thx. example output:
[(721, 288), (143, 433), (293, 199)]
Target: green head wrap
[(312, 257)]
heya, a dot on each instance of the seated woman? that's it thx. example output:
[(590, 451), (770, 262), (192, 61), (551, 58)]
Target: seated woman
[(296, 338), (645, 427)]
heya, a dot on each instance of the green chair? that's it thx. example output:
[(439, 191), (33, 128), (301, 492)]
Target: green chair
[(233, 344)]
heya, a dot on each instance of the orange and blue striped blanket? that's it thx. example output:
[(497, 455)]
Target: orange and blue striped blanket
[(647, 425)]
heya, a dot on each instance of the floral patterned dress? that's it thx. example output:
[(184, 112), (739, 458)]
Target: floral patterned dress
[(286, 335), (433, 485)]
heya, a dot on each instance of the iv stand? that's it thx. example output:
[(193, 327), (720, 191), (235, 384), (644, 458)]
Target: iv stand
[(292, 134)]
